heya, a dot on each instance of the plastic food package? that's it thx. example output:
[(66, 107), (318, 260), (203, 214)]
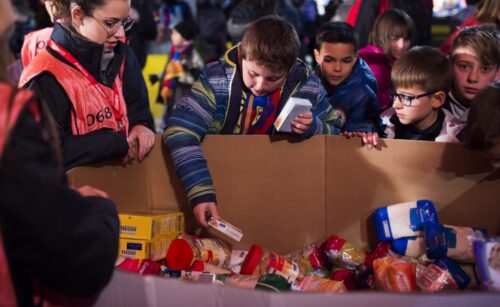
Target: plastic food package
[(450, 241), (409, 246), (273, 282), (236, 260), (259, 262), (342, 253), (308, 259), (318, 284), (404, 219), (185, 249), (395, 274), (345, 276), (487, 252), (444, 274)]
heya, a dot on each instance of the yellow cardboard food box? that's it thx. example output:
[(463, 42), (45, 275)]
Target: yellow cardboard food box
[(149, 225), (155, 249)]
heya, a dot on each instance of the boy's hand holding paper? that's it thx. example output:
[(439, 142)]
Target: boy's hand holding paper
[(293, 107)]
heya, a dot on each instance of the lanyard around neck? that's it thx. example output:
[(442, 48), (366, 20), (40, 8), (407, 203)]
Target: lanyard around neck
[(115, 103)]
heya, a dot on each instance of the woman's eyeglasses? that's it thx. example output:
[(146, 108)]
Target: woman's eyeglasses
[(113, 26)]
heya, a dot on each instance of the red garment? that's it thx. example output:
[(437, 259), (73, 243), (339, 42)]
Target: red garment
[(352, 15), (381, 66), (90, 111), (469, 22), (34, 43), (8, 117)]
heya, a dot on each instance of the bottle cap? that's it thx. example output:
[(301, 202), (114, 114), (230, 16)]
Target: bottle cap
[(179, 255)]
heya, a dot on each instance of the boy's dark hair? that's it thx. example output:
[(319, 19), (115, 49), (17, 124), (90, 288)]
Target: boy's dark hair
[(483, 125), (271, 41), (484, 40), (187, 29), (337, 32), (392, 23), (424, 67)]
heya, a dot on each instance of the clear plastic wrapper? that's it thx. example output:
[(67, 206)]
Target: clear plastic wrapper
[(342, 253), (487, 253), (451, 241), (395, 274), (444, 274)]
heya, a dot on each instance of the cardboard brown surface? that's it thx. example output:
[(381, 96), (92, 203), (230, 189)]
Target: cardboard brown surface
[(285, 194), (458, 181)]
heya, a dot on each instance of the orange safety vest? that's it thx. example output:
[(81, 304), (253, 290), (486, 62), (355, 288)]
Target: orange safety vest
[(10, 108), (90, 110), (34, 43)]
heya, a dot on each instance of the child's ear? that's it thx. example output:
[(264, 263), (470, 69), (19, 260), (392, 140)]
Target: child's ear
[(438, 99), (316, 56)]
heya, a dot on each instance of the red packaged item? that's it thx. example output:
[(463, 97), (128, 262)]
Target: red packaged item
[(141, 266), (342, 253), (381, 250), (346, 276), (180, 255), (259, 262), (395, 274)]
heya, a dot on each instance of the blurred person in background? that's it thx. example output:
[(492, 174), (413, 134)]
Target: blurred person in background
[(57, 244)]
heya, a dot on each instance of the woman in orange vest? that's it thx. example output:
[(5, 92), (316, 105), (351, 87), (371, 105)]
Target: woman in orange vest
[(93, 84), (53, 238)]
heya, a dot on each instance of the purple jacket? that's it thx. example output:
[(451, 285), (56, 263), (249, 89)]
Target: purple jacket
[(381, 66)]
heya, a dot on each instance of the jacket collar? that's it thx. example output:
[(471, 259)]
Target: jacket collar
[(87, 53)]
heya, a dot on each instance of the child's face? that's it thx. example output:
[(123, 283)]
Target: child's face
[(470, 76), (336, 61), (419, 112), (261, 80), (176, 38), (398, 45)]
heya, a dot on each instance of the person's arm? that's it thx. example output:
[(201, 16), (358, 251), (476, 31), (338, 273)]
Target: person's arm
[(94, 147), (364, 112), (52, 233), (185, 129), (325, 119), (135, 92)]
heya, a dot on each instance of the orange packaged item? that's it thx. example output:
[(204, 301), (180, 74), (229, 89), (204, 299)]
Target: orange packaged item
[(259, 262), (394, 274), (312, 283)]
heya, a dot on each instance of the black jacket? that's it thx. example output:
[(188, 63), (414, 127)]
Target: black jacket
[(51, 233), (105, 144)]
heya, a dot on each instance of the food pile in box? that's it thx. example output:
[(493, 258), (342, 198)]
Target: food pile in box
[(415, 253)]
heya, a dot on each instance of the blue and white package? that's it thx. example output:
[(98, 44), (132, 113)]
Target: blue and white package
[(487, 252), (409, 246), (450, 241), (404, 219)]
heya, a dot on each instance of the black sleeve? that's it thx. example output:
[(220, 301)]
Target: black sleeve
[(135, 93), (368, 12), (51, 233), (94, 147)]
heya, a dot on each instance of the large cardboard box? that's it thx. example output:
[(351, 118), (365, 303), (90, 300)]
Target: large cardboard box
[(285, 194)]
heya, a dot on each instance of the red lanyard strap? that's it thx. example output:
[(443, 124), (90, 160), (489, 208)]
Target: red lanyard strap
[(115, 103)]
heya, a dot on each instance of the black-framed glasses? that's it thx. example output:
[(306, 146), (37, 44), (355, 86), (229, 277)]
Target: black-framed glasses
[(407, 100), (112, 27)]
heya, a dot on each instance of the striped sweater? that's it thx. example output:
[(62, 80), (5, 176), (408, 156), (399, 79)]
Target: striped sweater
[(213, 107)]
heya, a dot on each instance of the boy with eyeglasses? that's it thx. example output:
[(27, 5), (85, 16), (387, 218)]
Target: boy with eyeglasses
[(421, 78)]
